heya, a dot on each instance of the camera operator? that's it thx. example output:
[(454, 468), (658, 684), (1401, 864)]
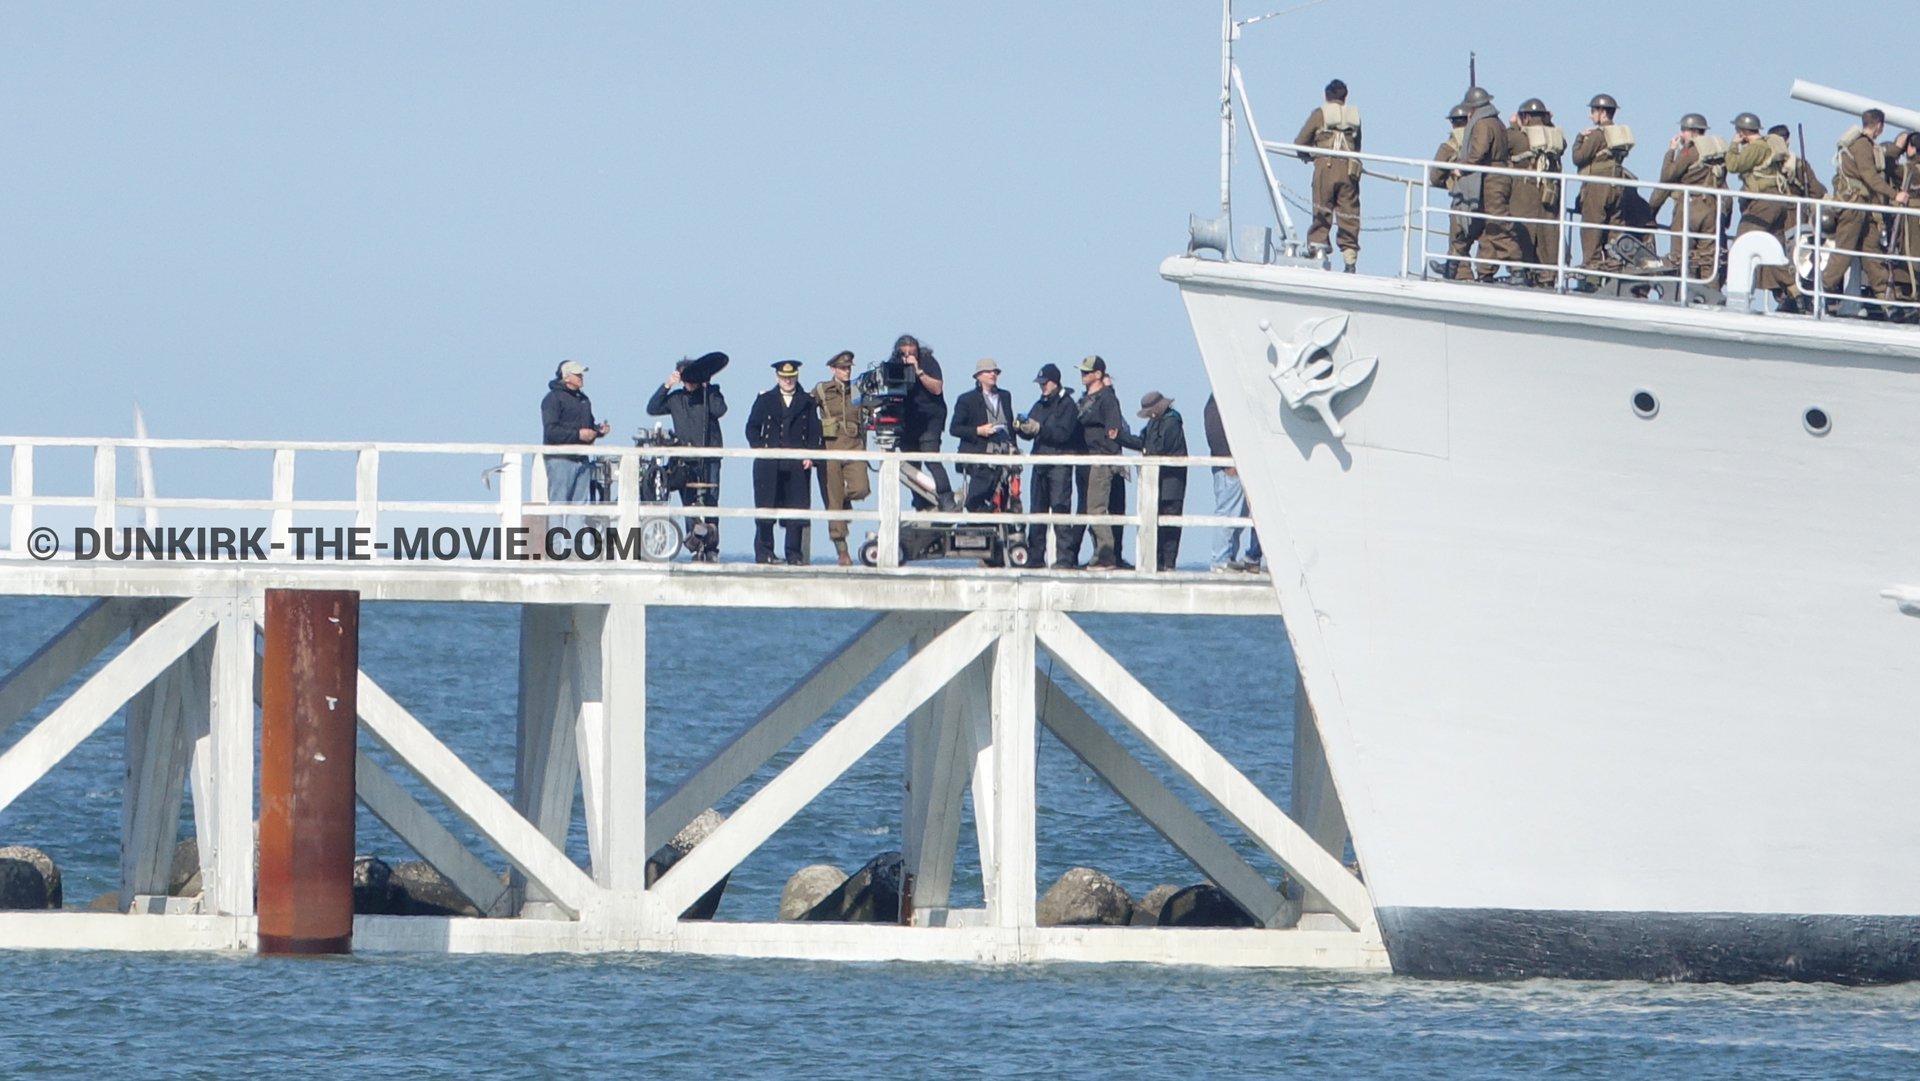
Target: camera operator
[(696, 405), (925, 416), (983, 421), (566, 420), (1053, 423)]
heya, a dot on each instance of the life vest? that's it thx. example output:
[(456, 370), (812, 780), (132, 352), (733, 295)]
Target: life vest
[(1712, 150), (1845, 185), (1619, 140), (1773, 174), (1545, 144), (1339, 126)]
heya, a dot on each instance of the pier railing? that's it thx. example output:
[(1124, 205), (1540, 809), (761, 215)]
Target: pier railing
[(512, 479)]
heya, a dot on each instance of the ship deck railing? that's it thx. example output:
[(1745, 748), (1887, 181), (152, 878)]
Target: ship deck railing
[(120, 492), (1427, 216)]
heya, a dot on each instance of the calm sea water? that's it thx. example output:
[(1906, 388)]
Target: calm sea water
[(223, 1016)]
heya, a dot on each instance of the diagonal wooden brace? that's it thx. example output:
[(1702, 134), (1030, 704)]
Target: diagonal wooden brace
[(473, 799), (1205, 768), (821, 764)]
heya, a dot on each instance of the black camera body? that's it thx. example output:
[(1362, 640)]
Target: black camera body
[(882, 392)]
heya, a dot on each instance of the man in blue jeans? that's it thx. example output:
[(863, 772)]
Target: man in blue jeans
[(1229, 500), (566, 419)]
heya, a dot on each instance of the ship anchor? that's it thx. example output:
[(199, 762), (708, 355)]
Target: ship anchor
[(1312, 378)]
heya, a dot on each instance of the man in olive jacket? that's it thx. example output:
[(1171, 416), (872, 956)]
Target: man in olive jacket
[(785, 416), (1102, 487)]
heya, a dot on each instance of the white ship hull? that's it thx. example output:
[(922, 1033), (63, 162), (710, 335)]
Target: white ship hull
[(1602, 695)]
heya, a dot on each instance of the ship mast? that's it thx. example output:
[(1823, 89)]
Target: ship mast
[(1226, 109)]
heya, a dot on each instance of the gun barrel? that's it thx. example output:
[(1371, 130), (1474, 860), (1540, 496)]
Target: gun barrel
[(1828, 97)]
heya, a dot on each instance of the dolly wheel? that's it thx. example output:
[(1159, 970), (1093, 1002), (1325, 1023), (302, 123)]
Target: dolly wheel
[(870, 554), (1016, 555)]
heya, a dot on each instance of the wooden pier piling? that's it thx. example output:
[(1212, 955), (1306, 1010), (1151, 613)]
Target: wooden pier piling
[(307, 710)]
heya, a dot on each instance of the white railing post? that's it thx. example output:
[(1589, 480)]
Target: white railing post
[(1146, 546), (22, 515), (366, 490), (105, 488), (282, 520), (889, 538), (627, 477), (510, 508)]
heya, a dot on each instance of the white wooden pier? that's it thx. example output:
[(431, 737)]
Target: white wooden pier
[(969, 694)]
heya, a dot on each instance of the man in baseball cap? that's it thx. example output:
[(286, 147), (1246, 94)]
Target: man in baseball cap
[(566, 420)]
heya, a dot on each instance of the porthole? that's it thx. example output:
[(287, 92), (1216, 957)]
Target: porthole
[(1816, 420), (1645, 405)]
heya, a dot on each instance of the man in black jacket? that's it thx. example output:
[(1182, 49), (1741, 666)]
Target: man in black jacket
[(1165, 436), (566, 420), (983, 422), (785, 416), (1102, 487), (696, 406), (924, 417), (1053, 423)]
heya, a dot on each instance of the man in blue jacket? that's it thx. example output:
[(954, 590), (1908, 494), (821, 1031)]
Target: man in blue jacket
[(566, 420), (785, 416), (1053, 423), (983, 422)]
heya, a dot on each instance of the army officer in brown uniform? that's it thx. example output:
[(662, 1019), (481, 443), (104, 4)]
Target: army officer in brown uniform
[(843, 426)]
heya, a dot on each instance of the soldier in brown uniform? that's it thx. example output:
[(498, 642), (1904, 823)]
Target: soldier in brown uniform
[(1486, 144), (1861, 179), (1763, 164), (1538, 145), (1697, 160), (842, 427), (1336, 181), (1442, 177), (1801, 179), (1903, 231), (1600, 204)]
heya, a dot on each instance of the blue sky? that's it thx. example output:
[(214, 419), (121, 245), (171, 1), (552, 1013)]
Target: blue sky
[(355, 221)]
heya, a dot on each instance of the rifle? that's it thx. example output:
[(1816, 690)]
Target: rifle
[(1473, 76)]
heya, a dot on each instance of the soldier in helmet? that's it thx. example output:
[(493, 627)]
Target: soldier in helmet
[(1861, 179), (1336, 181), (1601, 151), (1697, 160), (1537, 146), (1801, 179), (1494, 236), (1903, 230), (1458, 237), (1765, 167)]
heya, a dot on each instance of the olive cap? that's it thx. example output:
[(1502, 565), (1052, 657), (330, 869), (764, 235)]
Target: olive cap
[(1603, 101)]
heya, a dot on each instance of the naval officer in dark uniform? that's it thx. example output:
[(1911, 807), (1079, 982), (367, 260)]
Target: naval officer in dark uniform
[(785, 416)]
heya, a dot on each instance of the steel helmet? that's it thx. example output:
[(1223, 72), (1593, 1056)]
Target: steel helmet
[(1603, 101), (1693, 122), (1476, 97), (1459, 112), (1533, 106), (1746, 122)]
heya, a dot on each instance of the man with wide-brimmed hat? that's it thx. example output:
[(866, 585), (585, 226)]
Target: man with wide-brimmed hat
[(1165, 436), (983, 421), (1053, 423), (784, 416), (693, 400), (843, 426)]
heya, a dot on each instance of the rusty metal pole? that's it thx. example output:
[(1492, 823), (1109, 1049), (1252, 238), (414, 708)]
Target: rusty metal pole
[(307, 711)]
